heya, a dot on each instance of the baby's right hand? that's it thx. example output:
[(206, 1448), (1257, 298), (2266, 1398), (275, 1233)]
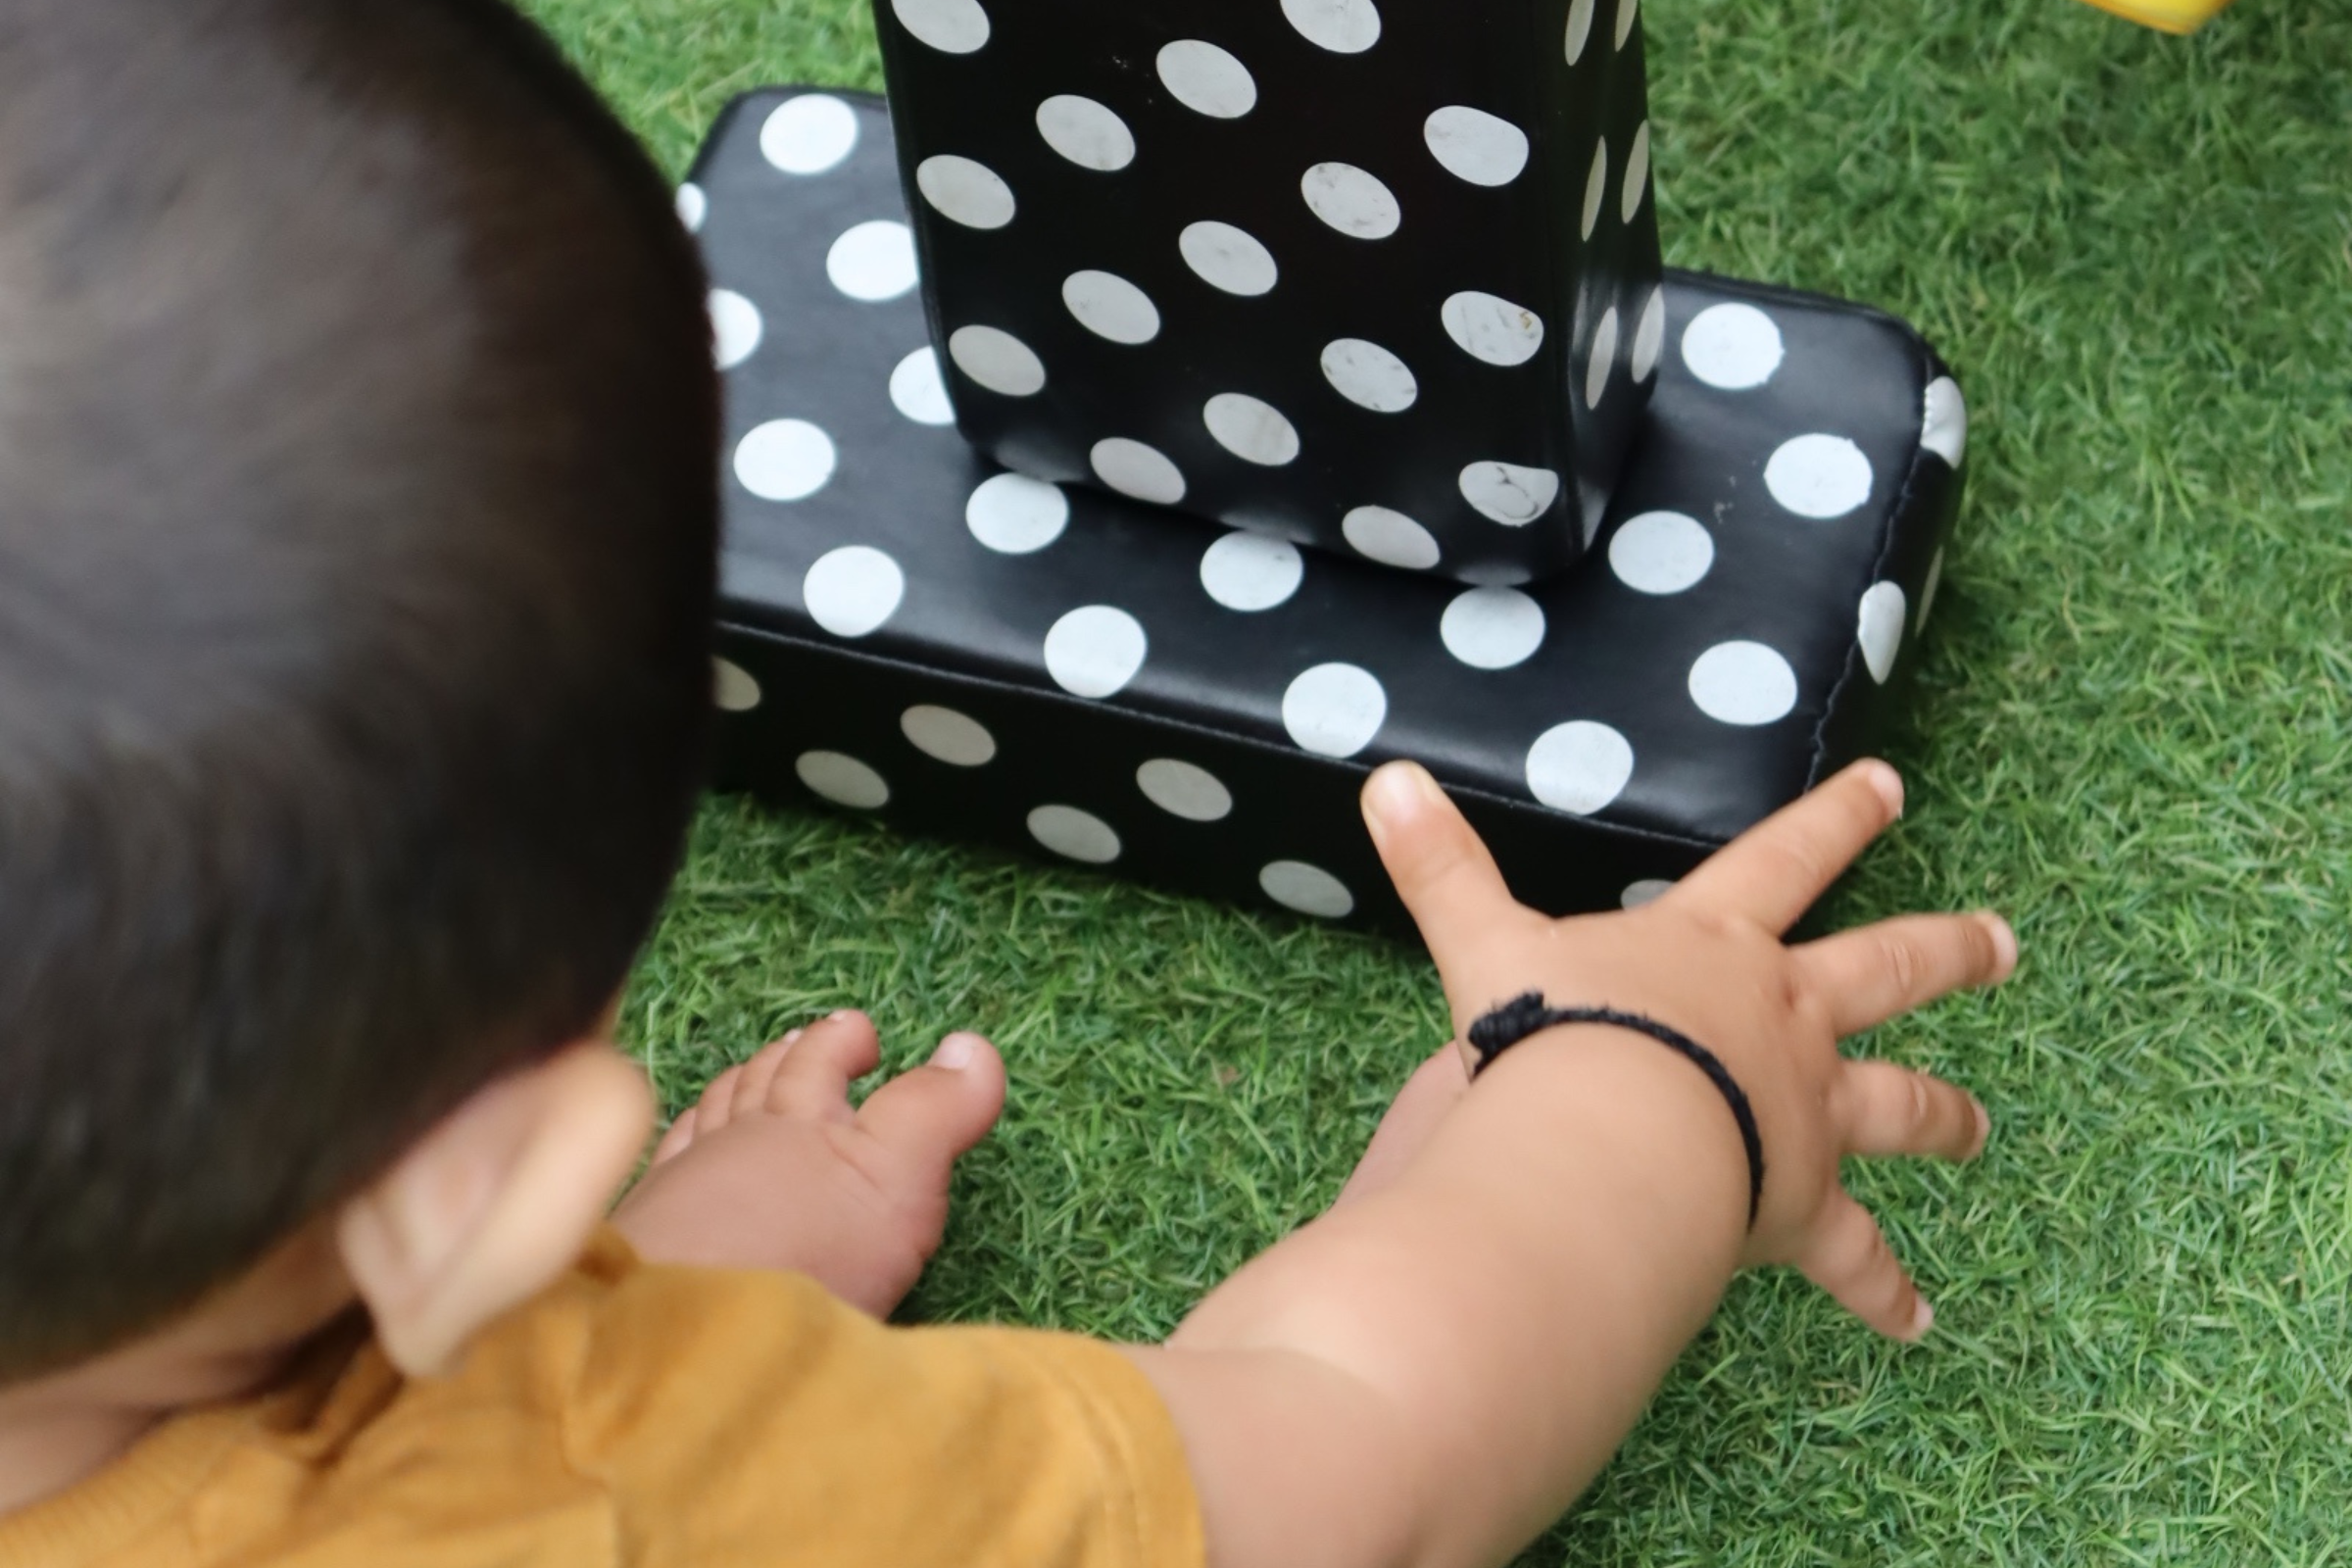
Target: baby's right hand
[(1709, 960)]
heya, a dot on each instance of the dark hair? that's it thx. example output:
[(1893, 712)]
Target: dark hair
[(358, 516)]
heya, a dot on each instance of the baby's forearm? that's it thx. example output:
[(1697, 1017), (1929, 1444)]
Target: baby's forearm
[(1431, 1375)]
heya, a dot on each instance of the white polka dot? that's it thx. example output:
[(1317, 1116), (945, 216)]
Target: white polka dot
[(1391, 538), (1133, 468), (947, 736), (1182, 790), (874, 262), (853, 591), (694, 207), (1335, 709), (733, 687), (1637, 174), (1207, 79), (1662, 553), (1641, 894), (1230, 259), (1370, 376), (1580, 768), (1493, 628), (1250, 572), (810, 134), (1733, 347), (1492, 330), (1473, 145), (1342, 26), (1086, 132), (918, 391), (1014, 514), (1109, 307), (1307, 890), (1095, 651), (1821, 476), (735, 328), (1927, 595), (1605, 359), (1650, 338), (843, 780), (998, 361), (1075, 835), (1627, 11), (965, 193), (1596, 188), (1884, 612), (1579, 29), (1351, 201), (1743, 683), (785, 459), (1509, 494), (951, 27), (1944, 429), (1252, 429)]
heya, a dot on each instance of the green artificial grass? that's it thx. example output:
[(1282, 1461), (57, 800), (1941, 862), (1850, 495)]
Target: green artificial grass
[(2130, 733)]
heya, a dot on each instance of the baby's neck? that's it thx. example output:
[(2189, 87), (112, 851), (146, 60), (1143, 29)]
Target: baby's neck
[(43, 1452), (60, 1430)]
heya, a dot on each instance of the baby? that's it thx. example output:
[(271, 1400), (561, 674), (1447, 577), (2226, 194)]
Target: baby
[(357, 525)]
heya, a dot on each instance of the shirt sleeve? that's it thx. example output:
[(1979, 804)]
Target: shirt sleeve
[(749, 1419)]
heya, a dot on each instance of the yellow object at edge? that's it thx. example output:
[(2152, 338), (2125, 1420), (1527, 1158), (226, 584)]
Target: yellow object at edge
[(2172, 15)]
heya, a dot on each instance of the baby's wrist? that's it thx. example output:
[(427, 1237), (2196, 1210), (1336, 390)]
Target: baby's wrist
[(1614, 1088), (1515, 1022)]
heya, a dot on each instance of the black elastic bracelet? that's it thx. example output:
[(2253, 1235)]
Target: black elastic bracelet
[(1514, 1021)]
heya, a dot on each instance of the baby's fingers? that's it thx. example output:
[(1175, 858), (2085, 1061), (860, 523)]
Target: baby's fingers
[(1882, 971), (1847, 1254), (1885, 1112), (1775, 872)]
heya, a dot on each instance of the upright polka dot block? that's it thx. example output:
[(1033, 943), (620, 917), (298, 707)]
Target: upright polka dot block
[(1375, 277), (917, 634)]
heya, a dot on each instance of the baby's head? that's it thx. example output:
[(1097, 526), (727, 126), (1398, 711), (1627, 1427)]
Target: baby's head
[(358, 510)]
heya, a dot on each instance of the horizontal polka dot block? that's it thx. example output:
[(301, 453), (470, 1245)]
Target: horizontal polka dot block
[(916, 634), (1291, 263)]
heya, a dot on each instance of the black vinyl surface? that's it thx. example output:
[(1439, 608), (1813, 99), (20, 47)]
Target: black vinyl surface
[(912, 632)]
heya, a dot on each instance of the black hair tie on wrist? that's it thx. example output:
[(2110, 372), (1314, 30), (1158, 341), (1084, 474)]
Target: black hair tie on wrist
[(1515, 1021)]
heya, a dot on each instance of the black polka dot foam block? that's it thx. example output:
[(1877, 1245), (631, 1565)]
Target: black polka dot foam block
[(915, 632), (1372, 275)]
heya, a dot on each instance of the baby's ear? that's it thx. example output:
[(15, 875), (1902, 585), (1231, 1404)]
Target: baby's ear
[(491, 1206)]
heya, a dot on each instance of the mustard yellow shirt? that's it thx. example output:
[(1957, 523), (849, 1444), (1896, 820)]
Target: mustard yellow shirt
[(660, 1418)]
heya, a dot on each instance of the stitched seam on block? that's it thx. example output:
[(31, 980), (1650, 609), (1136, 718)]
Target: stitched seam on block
[(1927, 364), (1560, 412), (1270, 749)]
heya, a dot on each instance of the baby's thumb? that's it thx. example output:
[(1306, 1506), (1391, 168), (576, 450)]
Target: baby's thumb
[(939, 1111)]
